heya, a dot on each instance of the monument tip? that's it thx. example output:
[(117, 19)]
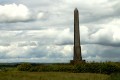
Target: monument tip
[(76, 9)]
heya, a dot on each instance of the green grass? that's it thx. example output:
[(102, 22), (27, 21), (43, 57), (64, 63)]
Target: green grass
[(15, 75), (114, 76)]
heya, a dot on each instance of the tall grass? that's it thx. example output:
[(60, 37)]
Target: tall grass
[(50, 76), (114, 76)]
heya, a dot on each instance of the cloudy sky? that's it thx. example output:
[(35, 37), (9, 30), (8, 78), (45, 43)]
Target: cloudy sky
[(42, 30)]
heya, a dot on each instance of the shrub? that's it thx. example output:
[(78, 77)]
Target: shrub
[(108, 68), (53, 68), (97, 68), (63, 68), (45, 68), (24, 67), (34, 69), (41, 68), (104, 68)]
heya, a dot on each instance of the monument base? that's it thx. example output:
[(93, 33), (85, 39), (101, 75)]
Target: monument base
[(77, 61)]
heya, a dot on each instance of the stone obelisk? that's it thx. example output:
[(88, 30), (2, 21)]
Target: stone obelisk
[(77, 47), (77, 58)]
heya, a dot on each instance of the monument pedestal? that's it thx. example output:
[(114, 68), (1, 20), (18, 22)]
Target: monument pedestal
[(77, 61)]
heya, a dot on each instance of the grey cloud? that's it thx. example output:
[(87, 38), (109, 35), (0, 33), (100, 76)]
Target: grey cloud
[(91, 12), (40, 52), (8, 1), (111, 53), (3, 55), (100, 53), (27, 44), (52, 24), (4, 44)]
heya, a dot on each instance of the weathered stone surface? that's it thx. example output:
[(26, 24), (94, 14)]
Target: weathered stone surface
[(77, 61), (77, 53), (77, 48)]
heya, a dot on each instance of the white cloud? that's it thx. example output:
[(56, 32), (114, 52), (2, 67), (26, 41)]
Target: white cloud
[(14, 13), (52, 24), (42, 15), (64, 37), (108, 34), (84, 34)]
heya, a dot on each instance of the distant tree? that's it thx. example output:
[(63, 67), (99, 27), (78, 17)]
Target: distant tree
[(24, 67)]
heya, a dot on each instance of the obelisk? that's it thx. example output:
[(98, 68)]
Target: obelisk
[(77, 47), (77, 58)]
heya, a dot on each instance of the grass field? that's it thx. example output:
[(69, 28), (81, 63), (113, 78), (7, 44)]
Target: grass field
[(15, 75)]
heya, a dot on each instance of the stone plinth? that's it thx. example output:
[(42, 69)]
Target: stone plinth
[(77, 61)]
